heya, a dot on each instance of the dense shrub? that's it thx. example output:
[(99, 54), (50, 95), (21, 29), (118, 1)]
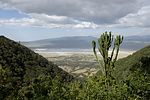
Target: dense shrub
[(25, 75)]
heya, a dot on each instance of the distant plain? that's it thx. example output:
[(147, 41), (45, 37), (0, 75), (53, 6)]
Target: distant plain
[(77, 63)]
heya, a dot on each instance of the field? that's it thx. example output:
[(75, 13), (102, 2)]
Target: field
[(77, 63)]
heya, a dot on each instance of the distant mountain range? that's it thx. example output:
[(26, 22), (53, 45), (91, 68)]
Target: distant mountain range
[(84, 42)]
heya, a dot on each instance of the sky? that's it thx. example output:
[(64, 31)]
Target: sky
[(28, 20)]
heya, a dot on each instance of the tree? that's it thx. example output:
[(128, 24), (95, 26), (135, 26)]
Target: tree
[(104, 43)]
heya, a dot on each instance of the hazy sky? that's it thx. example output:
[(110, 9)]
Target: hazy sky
[(26, 20)]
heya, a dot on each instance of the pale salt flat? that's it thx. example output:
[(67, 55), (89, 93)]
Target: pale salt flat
[(122, 54)]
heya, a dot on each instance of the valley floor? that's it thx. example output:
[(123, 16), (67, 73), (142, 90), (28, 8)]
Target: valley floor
[(77, 63)]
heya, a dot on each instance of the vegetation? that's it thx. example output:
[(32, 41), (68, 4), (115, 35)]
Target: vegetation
[(19, 66), (26, 75), (104, 44), (139, 60)]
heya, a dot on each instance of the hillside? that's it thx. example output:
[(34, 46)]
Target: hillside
[(83, 42), (139, 60), (26, 75), (19, 66)]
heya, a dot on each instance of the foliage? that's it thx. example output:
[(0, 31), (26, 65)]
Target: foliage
[(20, 65), (104, 43), (25, 75), (93, 88), (138, 60), (139, 85)]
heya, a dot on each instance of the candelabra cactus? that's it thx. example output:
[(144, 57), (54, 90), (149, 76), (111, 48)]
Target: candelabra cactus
[(104, 43)]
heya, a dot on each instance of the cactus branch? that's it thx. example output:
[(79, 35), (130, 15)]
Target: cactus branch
[(104, 44), (95, 53)]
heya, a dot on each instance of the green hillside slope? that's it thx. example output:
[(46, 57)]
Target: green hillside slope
[(139, 60), (19, 66)]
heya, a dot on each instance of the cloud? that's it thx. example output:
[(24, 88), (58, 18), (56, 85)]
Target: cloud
[(43, 20), (52, 18), (97, 11), (86, 25), (139, 19), (22, 22), (79, 13)]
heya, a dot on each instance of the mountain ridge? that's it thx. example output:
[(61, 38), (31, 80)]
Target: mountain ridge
[(84, 42)]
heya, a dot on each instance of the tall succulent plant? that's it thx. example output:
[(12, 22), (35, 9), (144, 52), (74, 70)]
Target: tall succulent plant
[(104, 43)]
